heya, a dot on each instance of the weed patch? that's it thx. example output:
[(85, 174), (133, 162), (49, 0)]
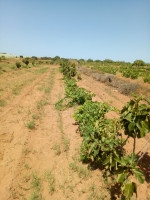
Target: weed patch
[(31, 125)]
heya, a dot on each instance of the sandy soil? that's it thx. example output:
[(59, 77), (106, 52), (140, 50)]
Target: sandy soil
[(39, 146)]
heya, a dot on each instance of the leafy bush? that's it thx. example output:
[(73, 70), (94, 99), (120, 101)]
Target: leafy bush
[(134, 75), (68, 69), (126, 73), (73, 95), (89, 113), (147, 78), (18, 65), (26, 61), (135, 118)]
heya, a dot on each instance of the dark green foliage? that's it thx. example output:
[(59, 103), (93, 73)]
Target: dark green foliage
[(128, 166), (26, 61), (135, 118), (18, 65), (134, 75), (146, 78), (89, 113), (101, 143), (126, 73), (139, 63)]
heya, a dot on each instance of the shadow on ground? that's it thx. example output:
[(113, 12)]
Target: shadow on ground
[(144, 165)]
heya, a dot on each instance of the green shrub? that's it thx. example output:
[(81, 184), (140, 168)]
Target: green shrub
[(33, 61), (68, 69), (18, 65), (26, 61), (31, 125), (146, 79), (126, 73), (134, 75)]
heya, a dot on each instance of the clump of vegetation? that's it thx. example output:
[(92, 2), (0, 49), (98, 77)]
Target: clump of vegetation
[(36, 186), (146, 78), (18, 65), (73, 95), (51, 181), (33, 61), (68, 69), (139, 63), (26, 61), (31, 125), (102, 142)]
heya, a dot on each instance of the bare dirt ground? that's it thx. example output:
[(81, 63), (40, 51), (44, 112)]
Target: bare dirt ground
[(39, 146)]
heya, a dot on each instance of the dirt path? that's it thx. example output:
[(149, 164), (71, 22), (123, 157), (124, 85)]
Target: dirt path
[(39, 146), (14, 133)]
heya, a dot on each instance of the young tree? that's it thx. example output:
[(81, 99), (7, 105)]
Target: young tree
[(138, 63)]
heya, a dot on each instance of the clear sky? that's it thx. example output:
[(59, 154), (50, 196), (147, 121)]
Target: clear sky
[(96, 29)]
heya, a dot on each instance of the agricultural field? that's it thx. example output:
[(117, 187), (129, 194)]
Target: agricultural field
[(135, 71), (64, 135)]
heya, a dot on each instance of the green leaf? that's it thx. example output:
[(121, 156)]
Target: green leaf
[(91, 148), (129, 117), (139, 175), (106, 161), (142, 107), (129, 189), (122, 177), (148, 101), (131, 126), (142, 133), (145, 125)]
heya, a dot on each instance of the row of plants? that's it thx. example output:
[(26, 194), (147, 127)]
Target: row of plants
[(103, 143), (128, 72)]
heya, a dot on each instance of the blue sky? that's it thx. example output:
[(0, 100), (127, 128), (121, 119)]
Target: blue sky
[(96, 29)]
